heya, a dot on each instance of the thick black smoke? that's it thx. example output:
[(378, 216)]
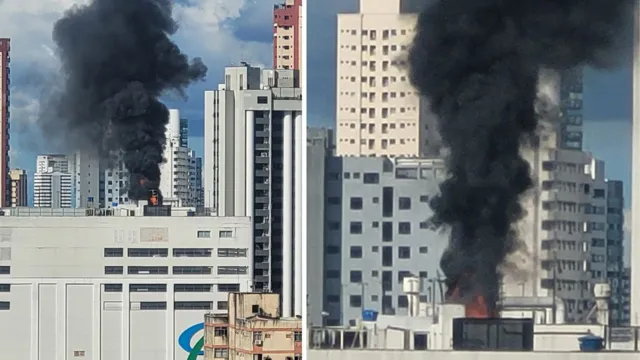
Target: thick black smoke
[(118, 59), (477, 62)]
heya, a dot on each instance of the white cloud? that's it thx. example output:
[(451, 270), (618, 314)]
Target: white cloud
[(203, 32)]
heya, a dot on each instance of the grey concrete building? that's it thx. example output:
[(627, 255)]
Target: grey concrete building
[(320, 146), (376, 233), (615, 251)]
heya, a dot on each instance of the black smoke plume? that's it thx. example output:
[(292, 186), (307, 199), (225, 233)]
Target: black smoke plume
[(117, 60), (477, 62)]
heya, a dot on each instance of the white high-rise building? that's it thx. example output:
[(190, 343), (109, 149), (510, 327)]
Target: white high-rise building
[(112, 285), (196, 191), (174, 172), (52, 182), (255, 138), (378, 111)]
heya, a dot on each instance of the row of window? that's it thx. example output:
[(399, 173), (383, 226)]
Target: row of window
[(176, 288), (181, 305), (387, 276), (404, 228), (164, 252), (177, 270), (205, 234)]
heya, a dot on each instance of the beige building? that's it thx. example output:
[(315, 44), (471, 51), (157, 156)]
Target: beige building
[(252, 329), (287, 35), (18, 178), (379, 113)]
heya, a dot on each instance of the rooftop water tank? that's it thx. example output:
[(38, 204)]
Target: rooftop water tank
[(369, 315), (591, 343)]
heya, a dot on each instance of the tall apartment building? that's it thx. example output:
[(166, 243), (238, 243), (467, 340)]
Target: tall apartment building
[(378, 111), (174, 172), (287, 35), (5, 94), (615, 252), (114, 182), (377, 233), (19, 186), (52, 182), (254, 140), (115, 285), (196, 189)]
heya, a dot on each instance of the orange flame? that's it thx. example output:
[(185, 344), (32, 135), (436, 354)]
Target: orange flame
[(475, 307)]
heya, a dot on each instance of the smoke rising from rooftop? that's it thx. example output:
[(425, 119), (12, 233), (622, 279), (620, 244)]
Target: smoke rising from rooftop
[(117, 60), (478, 64)]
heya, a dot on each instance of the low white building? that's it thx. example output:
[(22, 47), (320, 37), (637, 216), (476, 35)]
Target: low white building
[(115, 285)]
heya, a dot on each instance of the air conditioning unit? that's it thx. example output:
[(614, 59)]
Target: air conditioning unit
[(257, 342)]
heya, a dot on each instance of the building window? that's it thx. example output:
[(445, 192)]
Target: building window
[(232, 270), (297, 336), (223, 305), (114, 270), (156, 288), (224, 234), (147, 270), (79, 353), (356, 252), (404, 252), (5, 287), (5, 305), (221, 353), (220, 331), (356, 203), (202, 234), (231, 252), (402, 275), (193, 305), (371, 178), (387, 256), (424, 249), (423, 274), (193, 288), (192, 270), (199, 253), (355, 276), (112, 287), (153, 305), (151, 252), (424, 198), (403, 302), (355, 301), (387, 202), (355, 227), (387, 231), (113, 252), (229, 287), (262, 100), (404, 203), (404, 228)]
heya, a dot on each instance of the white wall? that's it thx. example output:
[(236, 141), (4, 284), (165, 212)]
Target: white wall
[(461, 355)]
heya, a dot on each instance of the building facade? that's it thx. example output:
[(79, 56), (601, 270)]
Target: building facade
[(174, 171), (5, 94), (184, 133), (378, 111), (635, 178), (53, 182), (112, 286), (19, 185), (252, 326), (572, 107), (254, 142), (196, 189), (377, 234), (86, 175), (287, 35), (319, 149), (615, 253)]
